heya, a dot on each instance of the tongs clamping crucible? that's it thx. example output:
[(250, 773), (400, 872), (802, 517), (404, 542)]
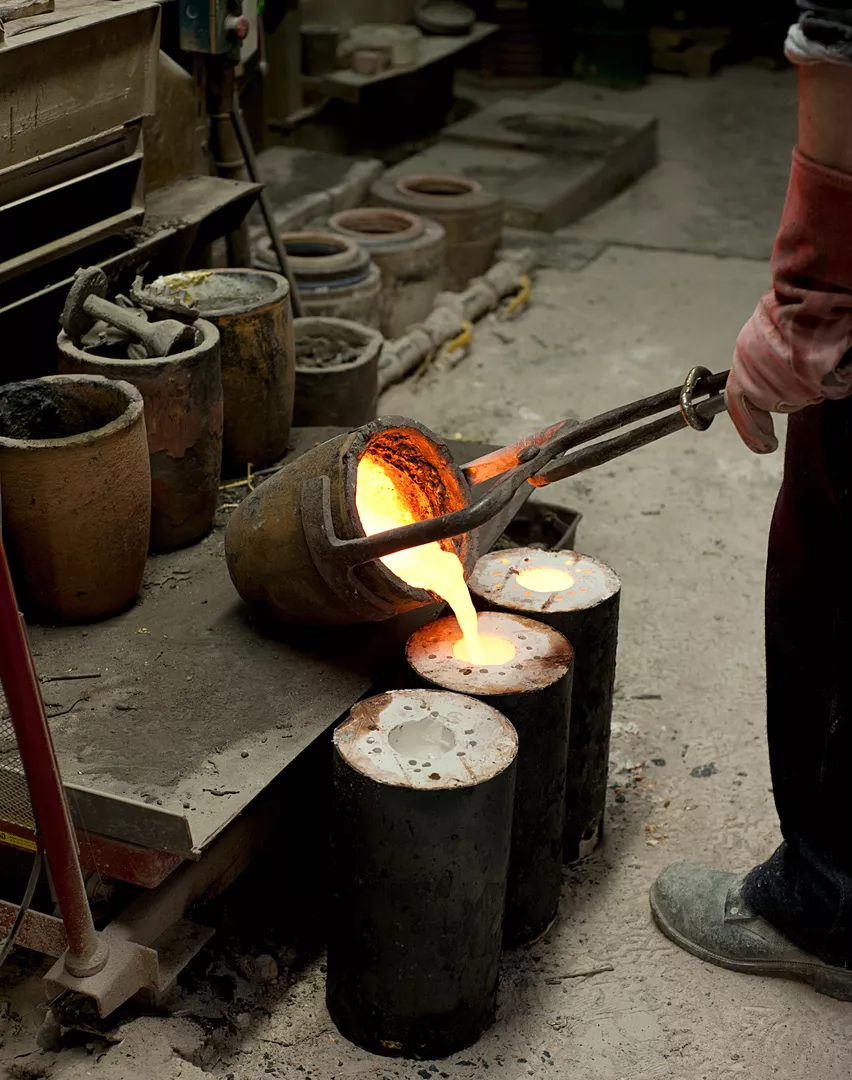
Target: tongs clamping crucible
[(542, 459)]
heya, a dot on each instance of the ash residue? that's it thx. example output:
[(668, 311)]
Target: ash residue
[(322, 352)]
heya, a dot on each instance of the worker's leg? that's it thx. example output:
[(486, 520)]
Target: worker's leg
[(805, 889), (793, 915)]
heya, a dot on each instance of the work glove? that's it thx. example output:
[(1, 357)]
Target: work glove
[(823, 34), (793, 351)]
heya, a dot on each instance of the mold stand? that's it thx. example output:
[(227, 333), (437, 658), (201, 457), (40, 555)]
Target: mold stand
[(586, 612), (424, 783), (411, 254), (533, 690), (472, 217)]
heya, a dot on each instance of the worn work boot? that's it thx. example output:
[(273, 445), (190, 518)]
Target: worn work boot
[(704, 912)]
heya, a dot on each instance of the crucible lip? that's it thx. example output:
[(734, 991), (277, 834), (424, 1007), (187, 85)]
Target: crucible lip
[(119, 403), (542, 657), (206, 336), (453, 492), (442, 187), (226, 291), (494, 578), (378, 225)]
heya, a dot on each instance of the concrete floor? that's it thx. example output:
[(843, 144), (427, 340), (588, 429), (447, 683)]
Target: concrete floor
[(684, 523)]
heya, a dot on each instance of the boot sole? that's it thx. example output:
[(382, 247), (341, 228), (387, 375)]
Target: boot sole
[(831, 981)]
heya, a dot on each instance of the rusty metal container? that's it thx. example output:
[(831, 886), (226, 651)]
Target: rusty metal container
[(183, 419), (251, 309), (274, 556), (76, 495)]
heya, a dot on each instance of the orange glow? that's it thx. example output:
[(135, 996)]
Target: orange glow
[(493, 650), (545, 579), (381, 506)]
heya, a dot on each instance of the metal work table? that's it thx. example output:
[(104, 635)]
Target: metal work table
[(192, 706)]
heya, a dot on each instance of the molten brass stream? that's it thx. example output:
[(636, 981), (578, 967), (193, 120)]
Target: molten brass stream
[(381, 505)]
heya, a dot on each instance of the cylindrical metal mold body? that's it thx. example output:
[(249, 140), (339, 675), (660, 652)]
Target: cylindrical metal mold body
[(358, 301), (423, 789), (183, 419), (319, 48), (76, 494), (336, 394), (411, 254), (585, 610), (533, 691), (336, 277), (472, 218), (270, 559), (251, 309)]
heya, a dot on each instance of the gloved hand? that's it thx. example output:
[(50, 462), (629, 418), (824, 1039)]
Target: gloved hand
[(793, 351)]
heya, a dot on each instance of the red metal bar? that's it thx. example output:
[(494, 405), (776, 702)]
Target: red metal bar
[(39, 932), (87, 953), (127, 862)]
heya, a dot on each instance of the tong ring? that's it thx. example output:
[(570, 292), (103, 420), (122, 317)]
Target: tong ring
[(691, 387)]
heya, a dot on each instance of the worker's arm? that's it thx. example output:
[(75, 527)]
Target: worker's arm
[(793, 351)]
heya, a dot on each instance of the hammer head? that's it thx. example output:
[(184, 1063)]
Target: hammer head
[(90, 281), (167, 336)]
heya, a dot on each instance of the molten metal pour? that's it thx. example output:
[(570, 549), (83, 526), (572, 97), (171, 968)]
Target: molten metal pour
[(381, 506)]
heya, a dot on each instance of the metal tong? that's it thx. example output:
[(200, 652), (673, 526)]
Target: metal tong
[(539, 459)]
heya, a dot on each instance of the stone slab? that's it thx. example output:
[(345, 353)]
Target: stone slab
[(550, 164)]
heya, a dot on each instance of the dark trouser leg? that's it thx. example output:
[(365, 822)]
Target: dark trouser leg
[(805, 889)]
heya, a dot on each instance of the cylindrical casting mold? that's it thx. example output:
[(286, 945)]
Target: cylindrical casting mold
[(423, 788), (337, 395), (471, 216), (183, 419), (251, 309), (273, 563), (585, 610), (336, 277), (533, 691), (76, 494), (411, 254)]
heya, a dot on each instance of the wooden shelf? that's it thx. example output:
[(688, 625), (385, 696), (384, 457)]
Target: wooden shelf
[(348, 85)]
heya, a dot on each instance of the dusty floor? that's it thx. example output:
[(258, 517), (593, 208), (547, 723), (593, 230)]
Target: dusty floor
[(685, 524)]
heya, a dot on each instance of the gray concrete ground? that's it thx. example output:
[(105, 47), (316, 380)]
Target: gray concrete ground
[(684, 523)]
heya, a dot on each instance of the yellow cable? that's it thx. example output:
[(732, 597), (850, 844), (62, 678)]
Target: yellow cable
[(240, 483), (463, 339), (521, 297)]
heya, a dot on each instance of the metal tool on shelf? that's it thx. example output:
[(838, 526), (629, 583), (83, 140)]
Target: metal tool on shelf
[(87, 303)]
